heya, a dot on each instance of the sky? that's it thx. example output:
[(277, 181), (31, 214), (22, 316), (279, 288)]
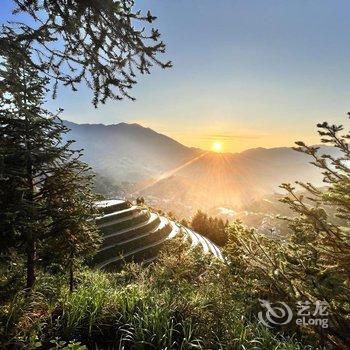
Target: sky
[(247, 73)]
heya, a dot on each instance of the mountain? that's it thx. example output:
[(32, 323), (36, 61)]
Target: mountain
[(180, 179), (128, 152)]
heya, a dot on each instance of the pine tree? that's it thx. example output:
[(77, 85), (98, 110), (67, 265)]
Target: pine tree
[(73, 236), (101, 43), (35, 165), (26, 150), (320, 240), (312, 261), (211, 227)]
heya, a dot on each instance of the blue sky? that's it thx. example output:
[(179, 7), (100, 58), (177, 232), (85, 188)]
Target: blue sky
[(246, 73)]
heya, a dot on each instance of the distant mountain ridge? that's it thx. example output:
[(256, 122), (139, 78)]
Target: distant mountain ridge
[(128, 152), (175, 177)]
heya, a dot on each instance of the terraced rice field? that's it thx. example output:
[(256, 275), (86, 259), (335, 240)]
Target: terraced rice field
[(133, 233)]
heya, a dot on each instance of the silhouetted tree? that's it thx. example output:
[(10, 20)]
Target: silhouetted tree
[(35, 166), (101, 43), (212, 228)]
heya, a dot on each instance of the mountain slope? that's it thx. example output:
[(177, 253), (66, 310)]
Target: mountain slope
[(128, 152)]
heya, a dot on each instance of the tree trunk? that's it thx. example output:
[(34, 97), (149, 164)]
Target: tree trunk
[(31, 241)]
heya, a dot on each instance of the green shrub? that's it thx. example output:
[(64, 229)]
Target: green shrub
[(186, 300)]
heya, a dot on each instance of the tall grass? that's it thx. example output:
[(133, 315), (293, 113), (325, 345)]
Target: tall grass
[(184, 301)]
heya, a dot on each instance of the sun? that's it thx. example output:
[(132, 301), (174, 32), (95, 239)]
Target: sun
[(217, 147)]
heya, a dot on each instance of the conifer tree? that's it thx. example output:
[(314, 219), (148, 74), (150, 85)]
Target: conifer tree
[(27, 141), (73, 236), (36, 166), (317, 261), (211, 227), (312, 261), (103, 43)]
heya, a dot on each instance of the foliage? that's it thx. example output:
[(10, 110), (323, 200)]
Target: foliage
[(73, 235), (101, 43), (312, 262), (45, 194), (210, 227), (184, 301)]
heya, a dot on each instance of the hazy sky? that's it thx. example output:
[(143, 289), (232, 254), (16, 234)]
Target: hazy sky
[(246, 73)]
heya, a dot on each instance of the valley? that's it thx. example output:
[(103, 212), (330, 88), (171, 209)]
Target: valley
[(132, 161)]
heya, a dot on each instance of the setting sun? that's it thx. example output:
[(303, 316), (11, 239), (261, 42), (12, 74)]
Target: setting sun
[(217, 146)]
